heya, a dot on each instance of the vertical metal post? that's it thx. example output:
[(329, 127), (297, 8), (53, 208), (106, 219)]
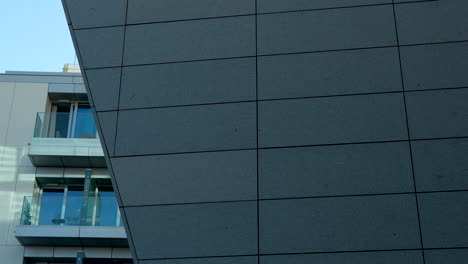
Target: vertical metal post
[(75, 116), (70, 122), (80, 256), (86, 196)]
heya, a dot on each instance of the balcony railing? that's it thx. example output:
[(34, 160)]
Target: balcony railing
[(65, 125), (70, 211)]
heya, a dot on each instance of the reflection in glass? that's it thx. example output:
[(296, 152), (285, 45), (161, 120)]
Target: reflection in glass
[(61, 125), (73, 207), (106, 214), (62, 120), (51, 207), (78, 124), (84, 126)]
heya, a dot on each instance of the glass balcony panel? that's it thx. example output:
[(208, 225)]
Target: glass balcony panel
[(65, 125), (73, 207), (51, 207), (84, 126), (39, 125), (107, 209), (74, 210), (59, 123), (28, 212)]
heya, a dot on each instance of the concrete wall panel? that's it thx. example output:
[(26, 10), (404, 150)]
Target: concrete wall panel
[(145, 11), (90, 13), (435, 66), (100, 47), (210, 39), (432, 21), (443, 219), (402, 257), (332, 120), (266, 6), (446, 256), (329, 73), (186, 129), (224, 260), (346, 29), (107, 97), (447, 111), (188, 178), (195, 230), (188, 83), (335, 170), (109, 124), (441, 165), (338, 224)]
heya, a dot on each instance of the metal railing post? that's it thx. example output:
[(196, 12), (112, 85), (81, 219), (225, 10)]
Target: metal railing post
[(80, 256)]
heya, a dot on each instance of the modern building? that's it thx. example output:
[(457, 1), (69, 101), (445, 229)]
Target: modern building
[(56, 197), (274, 131)]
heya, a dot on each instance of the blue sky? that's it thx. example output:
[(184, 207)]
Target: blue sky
[(34, 36)]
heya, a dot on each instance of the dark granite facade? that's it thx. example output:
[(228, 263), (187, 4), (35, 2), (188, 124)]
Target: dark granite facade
[(283, 131)]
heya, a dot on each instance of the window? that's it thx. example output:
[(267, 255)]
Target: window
[(68, 120)]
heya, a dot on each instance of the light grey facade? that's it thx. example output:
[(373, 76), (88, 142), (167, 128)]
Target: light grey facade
[(271, 131), (45, 155)]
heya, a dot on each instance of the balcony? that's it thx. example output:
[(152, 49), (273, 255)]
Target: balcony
[(66, 140), (56, 220)]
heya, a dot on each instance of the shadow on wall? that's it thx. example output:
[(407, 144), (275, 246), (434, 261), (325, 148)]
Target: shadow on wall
[(16, 181)]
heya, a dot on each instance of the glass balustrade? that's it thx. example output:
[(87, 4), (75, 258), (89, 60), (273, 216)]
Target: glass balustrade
[(65, 125), (72, 210)]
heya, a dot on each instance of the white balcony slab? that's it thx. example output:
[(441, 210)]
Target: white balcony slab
[(66, 152), (71, 236)]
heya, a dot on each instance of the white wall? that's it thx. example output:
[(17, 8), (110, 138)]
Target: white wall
[(19, 103)]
